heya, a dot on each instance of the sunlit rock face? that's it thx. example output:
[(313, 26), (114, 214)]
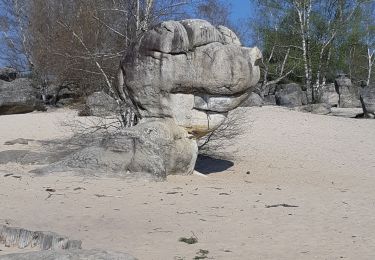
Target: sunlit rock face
[(190, 71)]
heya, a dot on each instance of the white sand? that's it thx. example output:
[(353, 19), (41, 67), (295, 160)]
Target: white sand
[(324, 165)]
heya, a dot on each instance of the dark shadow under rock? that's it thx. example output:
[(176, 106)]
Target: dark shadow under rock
[(209, 165), (69, 255)]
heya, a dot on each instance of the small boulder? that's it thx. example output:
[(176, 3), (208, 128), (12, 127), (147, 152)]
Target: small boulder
[(8, 74), (329, 95), (18, 97), (101, 104), (254, 100), (289, 95)]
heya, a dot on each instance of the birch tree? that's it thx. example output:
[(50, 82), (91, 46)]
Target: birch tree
[(316, 24)]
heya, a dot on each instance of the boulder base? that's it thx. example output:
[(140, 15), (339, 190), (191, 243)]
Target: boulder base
[(18, 97)]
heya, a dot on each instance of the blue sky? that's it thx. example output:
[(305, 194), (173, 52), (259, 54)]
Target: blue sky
[(241, 8)]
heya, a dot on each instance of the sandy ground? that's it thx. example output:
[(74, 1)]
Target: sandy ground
[(325, 166)]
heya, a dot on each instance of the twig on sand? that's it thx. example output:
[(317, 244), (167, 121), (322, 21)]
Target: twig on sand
[(107, 196), (281, 205), (54, 194)]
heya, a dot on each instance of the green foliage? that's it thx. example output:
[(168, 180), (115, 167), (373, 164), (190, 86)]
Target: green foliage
[(338, 37)]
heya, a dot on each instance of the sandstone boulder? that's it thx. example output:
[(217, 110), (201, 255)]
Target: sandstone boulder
[(190, 71), (254, 100), (101, 104), (329, 95), (182, 78), (348, 94), (18, 97), (289, 95), (151, 150)]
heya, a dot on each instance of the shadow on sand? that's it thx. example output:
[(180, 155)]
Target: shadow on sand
[(208, 165)]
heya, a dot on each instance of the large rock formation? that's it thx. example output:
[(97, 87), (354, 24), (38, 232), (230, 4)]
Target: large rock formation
[(18, 97), (183, 78), (190, 71)]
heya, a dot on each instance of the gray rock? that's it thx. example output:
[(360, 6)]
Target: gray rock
[(69, 255), (368, 100), (18, 97), (18, 141), (305, 98), (167, 37), (22, 238), (329, 95), (101, 104), (270, 100), (320, 109), (183, 78), (348, 93), (254, 100), (229, 37), (189, 66), (8, 74), (201, 32), (346, 112), (289, 95), (151, 150)]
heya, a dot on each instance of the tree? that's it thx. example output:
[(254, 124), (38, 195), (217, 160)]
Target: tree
[(314, 29), (216, 12), (15, 45), (79, 43)]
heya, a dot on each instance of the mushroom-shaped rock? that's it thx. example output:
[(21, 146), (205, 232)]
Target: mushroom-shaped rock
[(190, 71)]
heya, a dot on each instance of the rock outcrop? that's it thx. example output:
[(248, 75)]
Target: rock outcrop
[(183, 77), (348, 95), (18, 97), (190, 71)]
